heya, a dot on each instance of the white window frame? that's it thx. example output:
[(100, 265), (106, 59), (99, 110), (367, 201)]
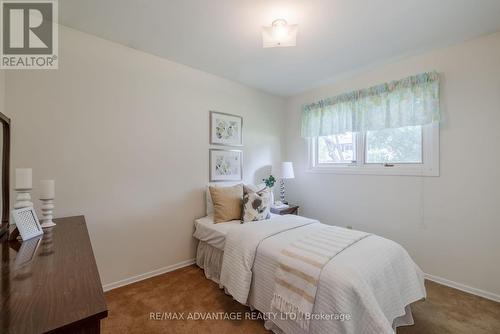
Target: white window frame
[(428, 167)]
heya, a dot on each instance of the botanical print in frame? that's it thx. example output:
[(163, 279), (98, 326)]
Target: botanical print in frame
[(226, 129), (226, 165)]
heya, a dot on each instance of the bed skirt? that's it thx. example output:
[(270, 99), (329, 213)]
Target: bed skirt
[(209, 259)]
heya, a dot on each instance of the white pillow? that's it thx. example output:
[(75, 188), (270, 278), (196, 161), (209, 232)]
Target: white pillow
[(210, 204)]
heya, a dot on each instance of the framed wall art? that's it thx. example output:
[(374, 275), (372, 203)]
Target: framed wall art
[(226, 129), (226, 165)]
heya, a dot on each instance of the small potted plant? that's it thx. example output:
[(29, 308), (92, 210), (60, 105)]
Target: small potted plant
[(270, 181)]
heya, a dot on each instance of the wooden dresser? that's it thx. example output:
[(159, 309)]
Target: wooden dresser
[(51, 284)]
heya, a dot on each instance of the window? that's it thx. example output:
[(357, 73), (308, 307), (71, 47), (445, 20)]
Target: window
[(388, 129), (401, 145), (411, 150), (337, 148)]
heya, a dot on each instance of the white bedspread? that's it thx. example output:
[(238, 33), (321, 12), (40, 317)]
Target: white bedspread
[(241, 247), (373, 281), (208, 231)]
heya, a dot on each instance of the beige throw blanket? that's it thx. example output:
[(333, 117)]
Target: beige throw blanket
[(300, 266)]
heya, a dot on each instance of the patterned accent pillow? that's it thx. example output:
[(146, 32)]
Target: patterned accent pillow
[(256, 204)]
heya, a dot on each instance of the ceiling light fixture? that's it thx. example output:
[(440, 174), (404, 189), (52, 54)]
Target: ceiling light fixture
[(279, 34)]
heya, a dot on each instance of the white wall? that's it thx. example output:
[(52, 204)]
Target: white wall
[(125, 135), (449, 224)]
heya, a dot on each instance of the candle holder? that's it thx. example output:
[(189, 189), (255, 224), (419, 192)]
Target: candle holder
[(23, 199), (47, 210), (23, 187)]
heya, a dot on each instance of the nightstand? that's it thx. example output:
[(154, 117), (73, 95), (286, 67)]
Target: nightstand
[(291, 210)]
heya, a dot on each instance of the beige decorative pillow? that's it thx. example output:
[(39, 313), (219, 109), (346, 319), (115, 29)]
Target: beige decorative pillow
[(227, 202), (256, 204)]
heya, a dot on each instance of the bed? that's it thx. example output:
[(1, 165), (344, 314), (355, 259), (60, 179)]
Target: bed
[(373, 281)]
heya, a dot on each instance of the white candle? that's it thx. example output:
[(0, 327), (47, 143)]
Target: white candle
[(47, 189), (24, 178)]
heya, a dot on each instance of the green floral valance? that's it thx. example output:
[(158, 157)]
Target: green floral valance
[(410, 101)]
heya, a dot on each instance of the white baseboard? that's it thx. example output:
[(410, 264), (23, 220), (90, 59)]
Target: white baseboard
[(463, 287), (133, 279), (437, 279)]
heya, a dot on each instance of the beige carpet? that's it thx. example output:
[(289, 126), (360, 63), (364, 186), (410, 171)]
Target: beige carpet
[(187, 290)]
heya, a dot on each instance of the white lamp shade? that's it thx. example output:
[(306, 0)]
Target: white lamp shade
[(286, 171), (47, 189), (24, 178)]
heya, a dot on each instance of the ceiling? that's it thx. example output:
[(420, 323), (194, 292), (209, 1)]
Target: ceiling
[(336, 37)]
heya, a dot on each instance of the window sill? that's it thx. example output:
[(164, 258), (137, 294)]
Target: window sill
[(397, 170)]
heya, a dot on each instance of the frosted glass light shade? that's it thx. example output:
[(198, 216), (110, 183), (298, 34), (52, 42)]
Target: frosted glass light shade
[(286, 171), (279, 34), (24, 178)]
